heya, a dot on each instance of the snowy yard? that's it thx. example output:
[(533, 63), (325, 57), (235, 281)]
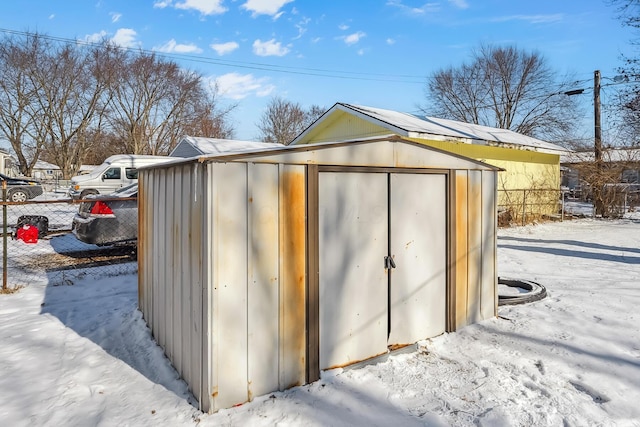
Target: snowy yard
[(79, 355)]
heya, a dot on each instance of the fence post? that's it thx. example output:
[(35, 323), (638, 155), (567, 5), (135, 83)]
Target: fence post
[(4, 235), (524, 205), (562, 194)]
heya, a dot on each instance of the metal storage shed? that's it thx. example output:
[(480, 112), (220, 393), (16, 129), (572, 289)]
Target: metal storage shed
[(258, 270)]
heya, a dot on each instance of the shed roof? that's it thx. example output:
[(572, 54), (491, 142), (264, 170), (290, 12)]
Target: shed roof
[(42, 165), (204, 146), (392, 151), (409, 125), (608, 155)]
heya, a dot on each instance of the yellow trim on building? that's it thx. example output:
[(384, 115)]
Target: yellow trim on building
[(484, 152)]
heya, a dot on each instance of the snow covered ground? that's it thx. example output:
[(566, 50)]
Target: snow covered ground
[(81, 355)]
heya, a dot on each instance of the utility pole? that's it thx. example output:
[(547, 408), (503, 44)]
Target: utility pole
[(597, 148), (598, 181)]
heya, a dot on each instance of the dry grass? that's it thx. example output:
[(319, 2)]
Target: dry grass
[(6, 291)]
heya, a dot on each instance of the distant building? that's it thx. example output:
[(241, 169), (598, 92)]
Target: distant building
[(46, 171), (625, 162), (5, 161), (191, 146)]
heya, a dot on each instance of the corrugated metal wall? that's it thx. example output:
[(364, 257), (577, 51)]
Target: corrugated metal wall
[(474, 253), (171, 273), (222, 276), (257, 298)]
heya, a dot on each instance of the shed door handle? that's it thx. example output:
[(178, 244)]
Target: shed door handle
[(389, 262)]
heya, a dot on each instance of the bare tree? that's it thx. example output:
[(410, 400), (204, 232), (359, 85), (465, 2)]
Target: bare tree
[(155, 102), (507, 88), (210, 121), (202, 115), (629, 114), (313, 113), (66, 100), (19, 110), (100, 146), (459, 94), (70, 91), (283, 120), (629, 101)]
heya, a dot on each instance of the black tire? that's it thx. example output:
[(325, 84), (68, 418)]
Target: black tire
[(18, 195), (86, 193), (536, 292)]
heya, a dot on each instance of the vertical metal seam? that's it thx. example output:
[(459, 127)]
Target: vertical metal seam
[(482, 242), (308, 265), (450, 245), (448, 234), (312, 291), (468, 229), (281, 283), (248, 194), (389, 237)]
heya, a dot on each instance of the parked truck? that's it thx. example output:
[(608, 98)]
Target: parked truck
[(115, 172)]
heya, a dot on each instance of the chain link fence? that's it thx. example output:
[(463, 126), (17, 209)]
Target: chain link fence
[(525, 206), (56, 255), (53, 252)]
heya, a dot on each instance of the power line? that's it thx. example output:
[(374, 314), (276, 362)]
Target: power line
[(317, 72)]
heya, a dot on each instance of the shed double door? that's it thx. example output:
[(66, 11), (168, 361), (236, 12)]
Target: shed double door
[(382, 262)]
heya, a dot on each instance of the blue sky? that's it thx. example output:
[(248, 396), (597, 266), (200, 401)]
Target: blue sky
[(375, 53)]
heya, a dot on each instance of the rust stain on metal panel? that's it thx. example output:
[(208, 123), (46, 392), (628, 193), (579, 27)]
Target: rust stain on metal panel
[(461, 258), (474, 249), (353, 362), (394, 347), (293, 252)]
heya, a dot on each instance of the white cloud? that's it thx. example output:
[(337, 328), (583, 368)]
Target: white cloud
[(532, 19), (415, 11), (95, 37), (115, 17), (265, 7), (353, 38), (343, 27), (173, 47), (52, 16), (238, 86), (269, 48), (162, 4), (302, 27), (460, 4), (224, 48), (391, 41), (206, 7), (125, 37)]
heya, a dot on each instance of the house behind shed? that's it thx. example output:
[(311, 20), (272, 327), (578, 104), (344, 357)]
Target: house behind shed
[(258, 270), (530, 166)]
